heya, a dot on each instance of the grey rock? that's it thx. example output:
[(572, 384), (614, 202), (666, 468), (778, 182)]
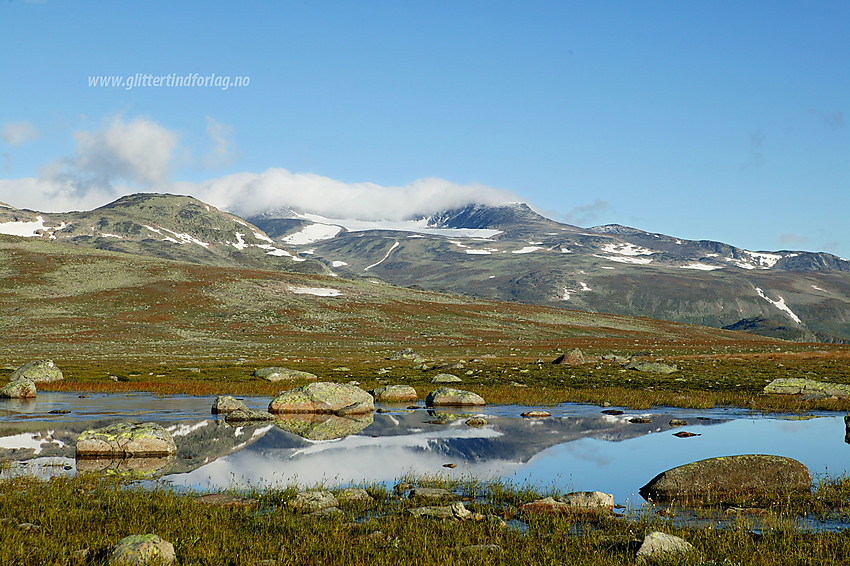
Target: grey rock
[(283, 374), (446, 396), (658, 546), (38, 371), (651, 367), (812, 389), (321, 398), (355, 495), (445, 378), (227, 404), (126, 440), (312, 501)]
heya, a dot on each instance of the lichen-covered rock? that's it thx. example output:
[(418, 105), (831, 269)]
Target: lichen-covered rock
[(284, 374), (355, 495), (131, 468), (321, 398), (126, 440), (142, 550), (448, 397), (395, 394), (322, 426), (19, 389), (38, 371), (800, 386), (536, 414), (750, 473), (225, 404), (312, 501), (661, 546), (445, 378)]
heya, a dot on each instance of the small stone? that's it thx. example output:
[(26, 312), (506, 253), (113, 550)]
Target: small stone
[(355, 495), (395, 394), (451, 466), (476, 422), (536, 414), (678, 422), (613, 412), (685, 434), (640, 420), (283, 374)]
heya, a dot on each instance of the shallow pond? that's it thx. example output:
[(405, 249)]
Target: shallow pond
[(578, 448)]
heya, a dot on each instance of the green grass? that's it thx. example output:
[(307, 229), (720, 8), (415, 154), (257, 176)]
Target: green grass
[(90, 513)]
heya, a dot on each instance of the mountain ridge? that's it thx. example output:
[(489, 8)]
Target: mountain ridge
[(503, 252)]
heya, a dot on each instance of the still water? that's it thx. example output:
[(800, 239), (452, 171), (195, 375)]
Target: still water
[(578, 448)]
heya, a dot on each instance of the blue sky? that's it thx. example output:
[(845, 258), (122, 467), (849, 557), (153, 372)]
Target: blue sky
[(702, 120)]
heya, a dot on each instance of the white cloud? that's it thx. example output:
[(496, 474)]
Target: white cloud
[(125, 157), (139, 151), (251, 193), (586, 214), (221, 137), (19, 133)]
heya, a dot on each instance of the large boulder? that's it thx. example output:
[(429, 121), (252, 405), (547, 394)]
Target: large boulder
[(19, 389), (322, 398), (38, 371), (808, 387), (125, 440), (284, 374), (728, 475), (448, 397), (395, 394), (142, 550)]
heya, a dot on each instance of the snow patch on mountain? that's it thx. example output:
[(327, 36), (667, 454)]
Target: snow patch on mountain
[(626, 259), (780, 304), (177, 238), (32, 229), (312, 233), (527, 250), (627, 249), (316, 291), (416, 226), (701, 266)]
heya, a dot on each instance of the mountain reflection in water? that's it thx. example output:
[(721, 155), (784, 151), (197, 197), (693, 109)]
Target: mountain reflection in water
[(578, 448)]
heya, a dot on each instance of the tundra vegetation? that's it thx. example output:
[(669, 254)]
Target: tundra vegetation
[(118, 323)]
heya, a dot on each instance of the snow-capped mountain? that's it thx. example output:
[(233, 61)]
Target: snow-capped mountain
[(504, 252)]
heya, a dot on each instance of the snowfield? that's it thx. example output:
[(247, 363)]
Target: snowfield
[(312, 233), (780, 304)]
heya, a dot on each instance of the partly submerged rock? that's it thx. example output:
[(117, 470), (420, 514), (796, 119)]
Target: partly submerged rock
[(661, 546), (225, 404), (38, 371), (446, 396), (321, 398), (811, 388), (536, 414), (322, 426), (750, 473), (142, 550), (355, 495), (395, 394), (283, 374), (124, 440), (21, 388), (576, 503)]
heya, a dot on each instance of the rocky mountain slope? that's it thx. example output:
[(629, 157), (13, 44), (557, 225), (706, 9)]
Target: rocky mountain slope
[(506, 252)]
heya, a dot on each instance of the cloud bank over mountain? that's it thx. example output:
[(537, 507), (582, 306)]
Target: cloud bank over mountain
[(139, 155)]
